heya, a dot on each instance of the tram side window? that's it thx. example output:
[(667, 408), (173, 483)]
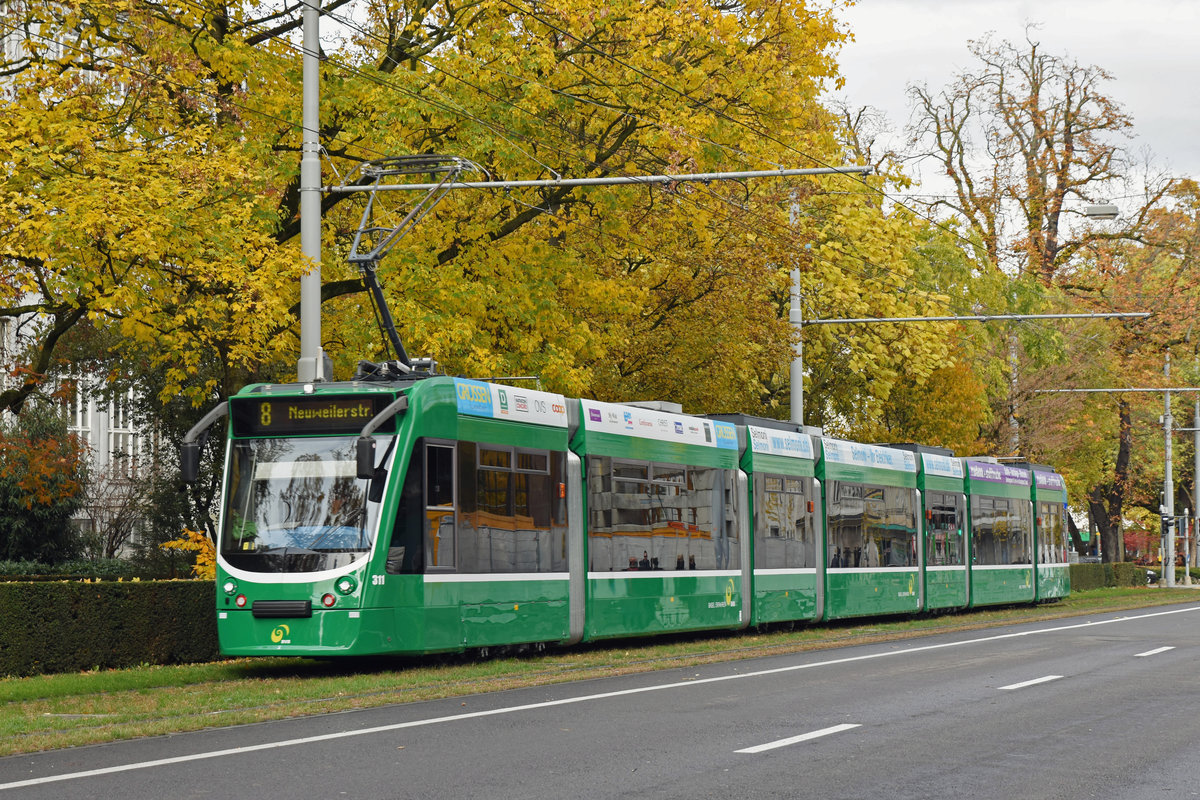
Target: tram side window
[(944, 540), (1052, 534), (439, 507), (512, 509), (408, 533), (1001, 531), (784, 536), (871, 526), (646, 516)]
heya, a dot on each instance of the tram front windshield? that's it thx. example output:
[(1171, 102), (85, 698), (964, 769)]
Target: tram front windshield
[(296, 505)]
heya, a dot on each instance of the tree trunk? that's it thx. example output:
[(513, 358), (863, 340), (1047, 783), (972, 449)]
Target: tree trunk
[(1107, 501)]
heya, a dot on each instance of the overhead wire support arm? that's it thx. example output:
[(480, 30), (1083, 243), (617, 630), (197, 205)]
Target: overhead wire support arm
[(370, 177), (382, 238)]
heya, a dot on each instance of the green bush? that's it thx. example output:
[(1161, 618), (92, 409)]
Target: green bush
[(1087, 576), (102, 568), (68, 626), (109, 568), (1098, 576), (1129, 574)]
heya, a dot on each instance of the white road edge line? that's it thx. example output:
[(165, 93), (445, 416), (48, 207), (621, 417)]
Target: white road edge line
[(804, 737), (1154, 652), (162, 762), (1033, 682)]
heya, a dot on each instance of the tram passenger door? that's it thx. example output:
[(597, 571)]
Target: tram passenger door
[(439, 507)]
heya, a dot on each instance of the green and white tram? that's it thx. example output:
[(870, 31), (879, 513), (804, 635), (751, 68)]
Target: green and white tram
[(666, 521), (454, 529), (431, 514), (786, 514)]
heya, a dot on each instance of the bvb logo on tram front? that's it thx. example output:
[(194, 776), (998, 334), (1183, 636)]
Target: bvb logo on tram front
[(280, 632)]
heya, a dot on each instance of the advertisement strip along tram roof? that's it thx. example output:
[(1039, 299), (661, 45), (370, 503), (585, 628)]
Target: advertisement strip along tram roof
[(776, 450), (868, 463), (1000, 480), (607, 428), (635, 432), (493, 401)]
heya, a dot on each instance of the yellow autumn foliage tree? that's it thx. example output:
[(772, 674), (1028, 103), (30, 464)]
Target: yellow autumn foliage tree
[(205, 567), (153, 187)]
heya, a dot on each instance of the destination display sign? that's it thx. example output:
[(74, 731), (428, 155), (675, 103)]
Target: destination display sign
[(314, 415)]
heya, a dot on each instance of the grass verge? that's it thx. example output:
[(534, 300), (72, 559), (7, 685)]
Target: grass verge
[(55, 711)]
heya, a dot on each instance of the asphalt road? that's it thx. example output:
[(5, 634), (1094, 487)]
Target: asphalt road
[(1093, 707)]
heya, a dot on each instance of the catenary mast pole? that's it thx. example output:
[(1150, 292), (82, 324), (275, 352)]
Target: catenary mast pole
[(1168, 560), (796, 317), (311, 366), (1195, 483)]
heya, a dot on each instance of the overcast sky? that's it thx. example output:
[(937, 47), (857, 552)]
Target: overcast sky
[(1150, 47)]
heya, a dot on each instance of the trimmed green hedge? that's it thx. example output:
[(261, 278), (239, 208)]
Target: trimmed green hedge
[(1098, 576), (101, 568), (70, 626)]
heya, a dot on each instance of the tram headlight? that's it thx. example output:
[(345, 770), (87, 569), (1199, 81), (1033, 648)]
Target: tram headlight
[(346, 585), (230, 586), (328, 601), (240, 601)]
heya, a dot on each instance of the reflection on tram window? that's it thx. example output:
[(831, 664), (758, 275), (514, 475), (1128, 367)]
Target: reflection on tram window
[(296, 505), (871, 526), (1001, 530), (1052, 534), (512, 510), (784, 523), (488, 509), (945, 544), (652, 516)]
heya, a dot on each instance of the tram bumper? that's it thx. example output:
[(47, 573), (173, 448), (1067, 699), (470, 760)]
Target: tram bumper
[(326, 632)]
